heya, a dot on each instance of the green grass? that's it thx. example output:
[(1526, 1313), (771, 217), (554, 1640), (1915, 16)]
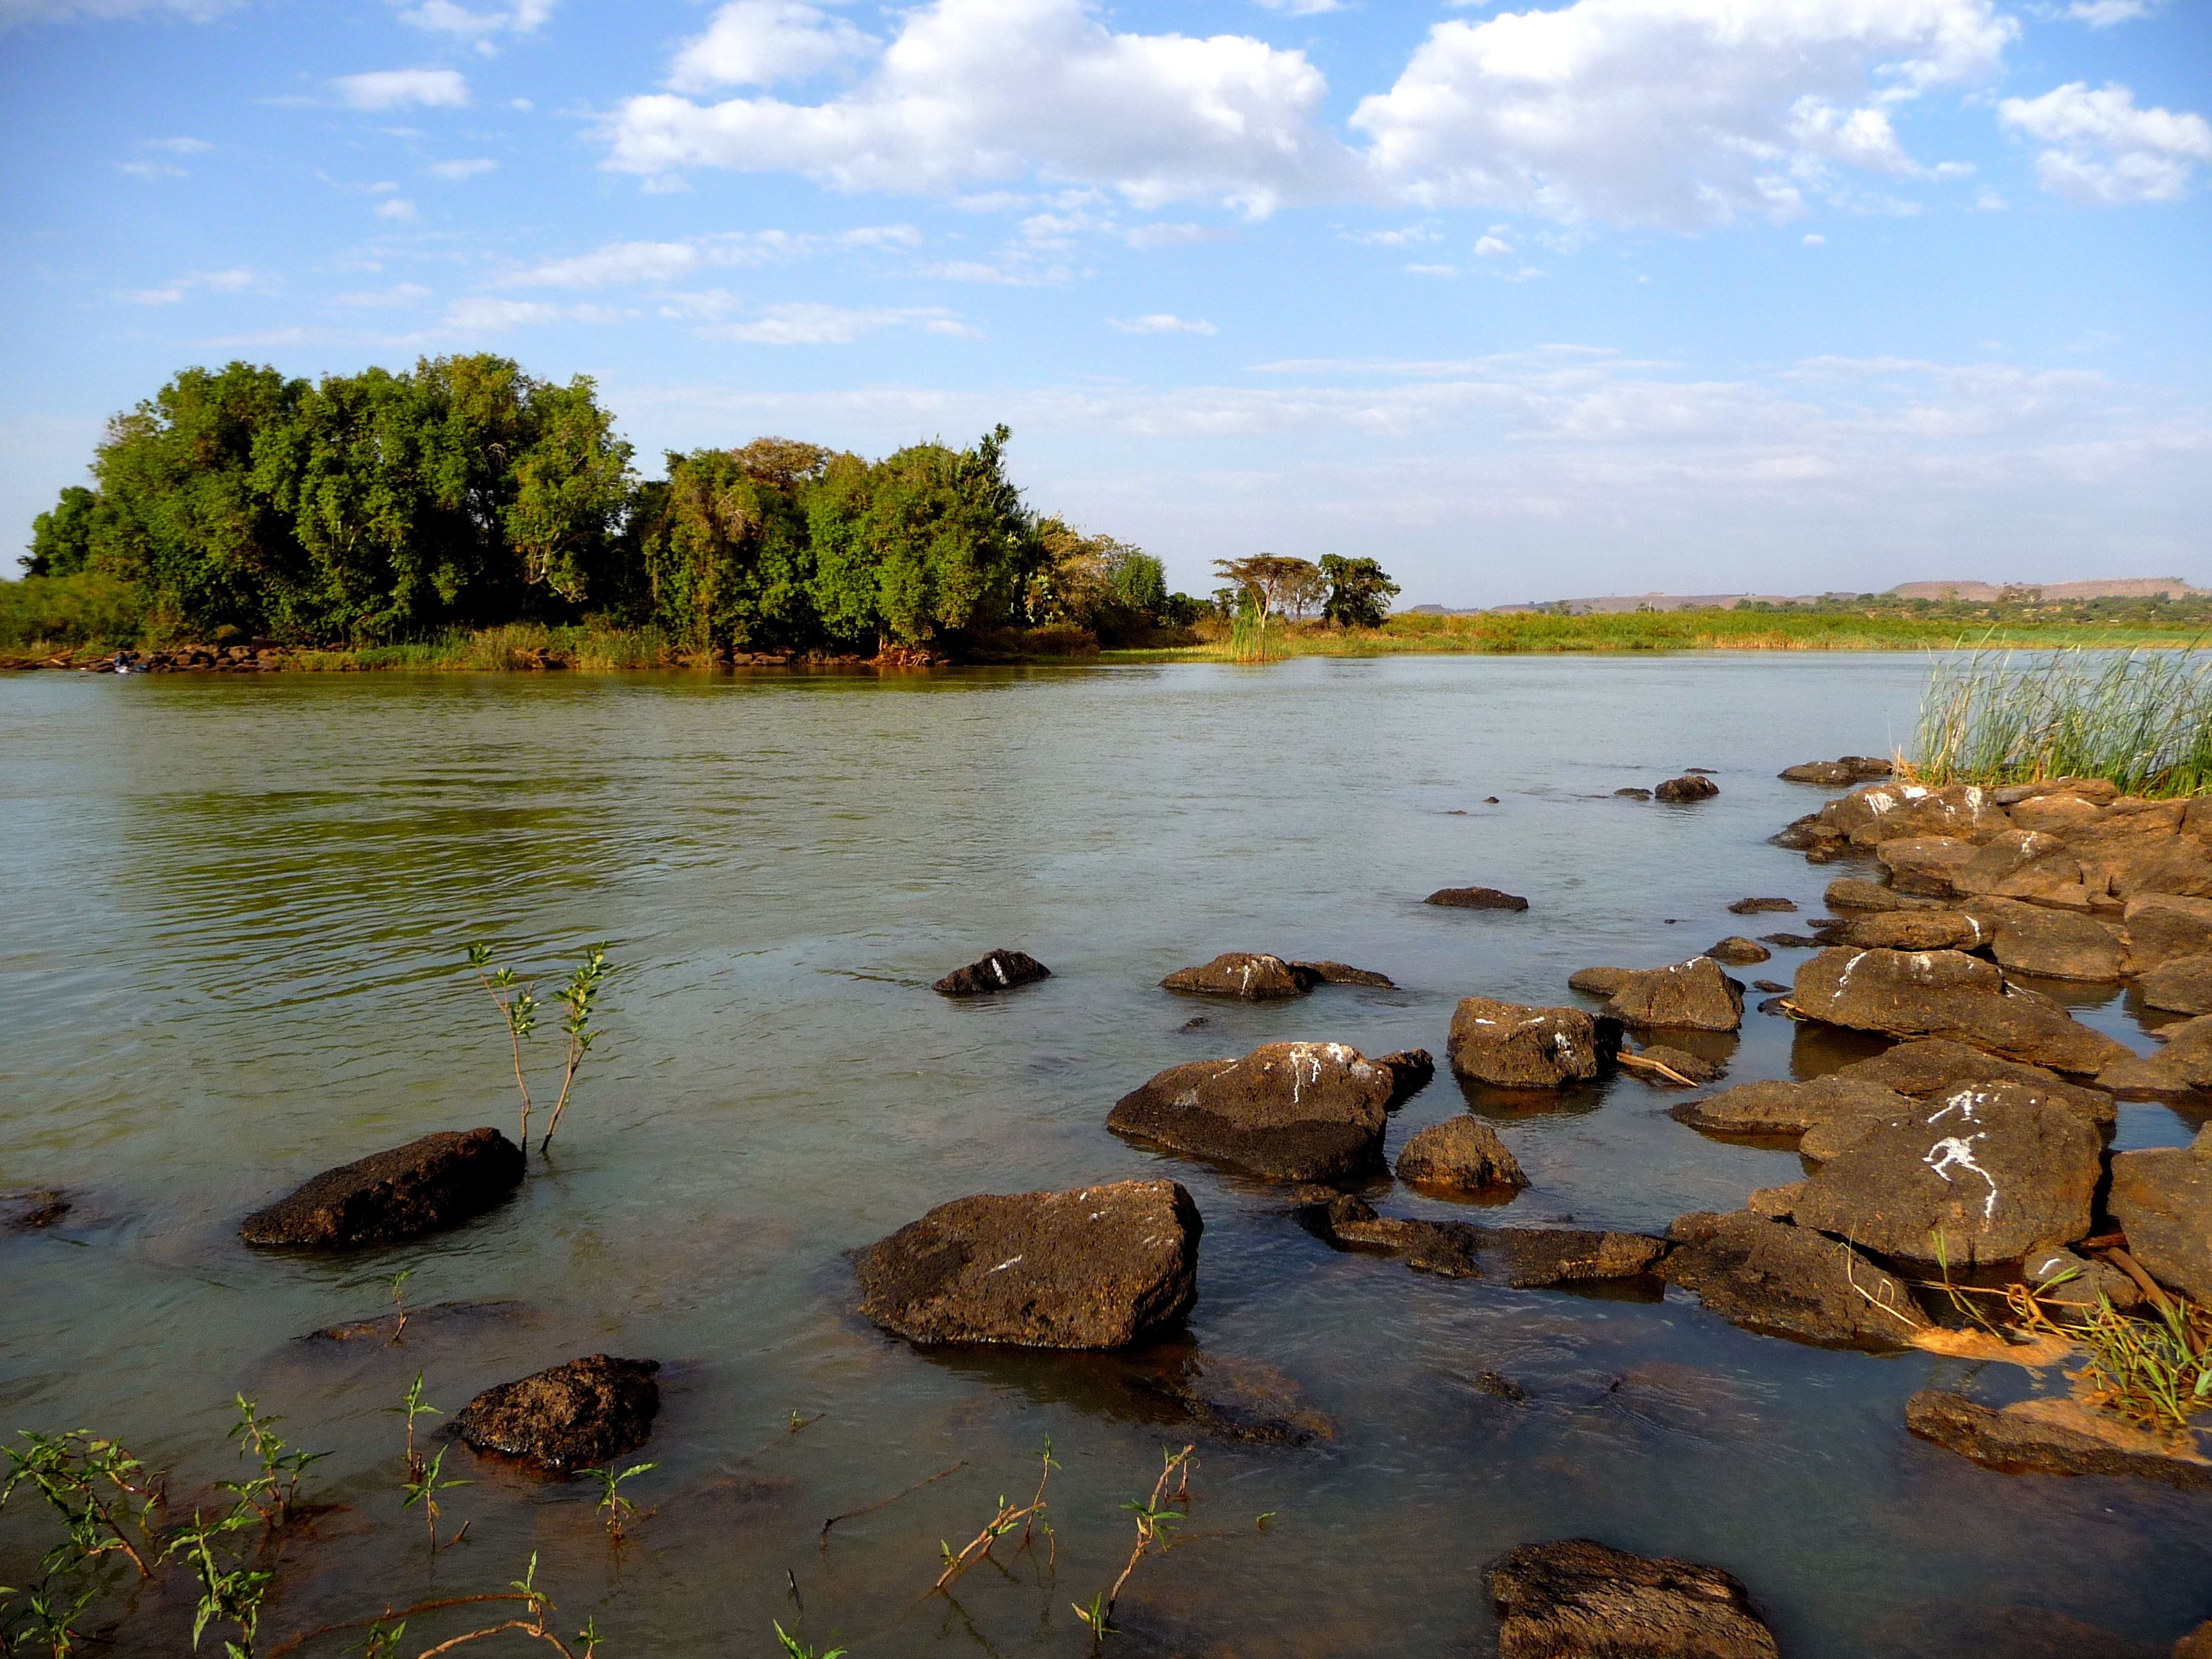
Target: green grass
[(2141, 718)]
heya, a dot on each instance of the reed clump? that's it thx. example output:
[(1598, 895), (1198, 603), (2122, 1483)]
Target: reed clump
[(2139, 718)]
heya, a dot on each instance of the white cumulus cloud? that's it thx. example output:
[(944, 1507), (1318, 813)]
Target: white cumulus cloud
[(810, 322), (1679, 112), (458, 171), (666, 262), (1161, 322), (2103, 14), (444, 17), (760, 42), (2103, 149), (974, 91), (403, 89)]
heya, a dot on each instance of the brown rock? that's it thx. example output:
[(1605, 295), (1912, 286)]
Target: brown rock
[(1001, 970), (1537, 1256), (2179, 985), (1850, 893), (2053, 944), (1343, 972), (1581, 1599), (1410, 1070), (1788, 1281), (1098, 1267), (569, 1417), (1253, 976), (2163, 1198), (1891, 812), (1598, 981), (1287, 1111), (1948, 994), (1686, 1065), (2032, 1436), (27, 1211), (1752, 907), (1737, 951), (1934, 1066), (1780, 1110), (1928, 865), (1851, 769), (1689, 787), (438, 1180), (1445, 1249), (1692, 995), (1509, 1045), (1236, 1398), (1994, 1169), (2095, 792), (2198, 1645), (2180, 1069), (1475, 898), (2070, 1285), (1913, 930), (1460, 1152), (1775, 1203), (2162, 927)]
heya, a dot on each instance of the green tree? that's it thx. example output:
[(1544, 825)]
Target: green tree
[(1263, 582), (61, 540), (1359, 592), (728, 547)]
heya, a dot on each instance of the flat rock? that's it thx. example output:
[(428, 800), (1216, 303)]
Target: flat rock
[(1689, 1068), (1253, 976), (1475, 898), (1769, 987), (568, 1417), (1598, 981), (2163, 1198), (1693, 995), (1343, 972), (1775, 1203), (1913, 930), (1737, 950), (1537, 1256), (1445, 1249), (1947, 993), (1778, 1108), (1765, 1275), (1851, 893), (1462, 1152), (1688, 787), (2033, 1437), (2163, 926), (1581, 1599), (2180, 1071), (2179, 985), (1994, 1169), (1236, 1398), (1851, 769), (1934, 1066), (1287, 1111), (382, 1328), (2029, 938), (438, 1180), (1752, 907), (1001, 970), (1509, 1045), (1098, 1268), (1926, 866)]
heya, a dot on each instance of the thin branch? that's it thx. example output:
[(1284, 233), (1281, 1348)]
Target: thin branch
[(871, 1508)]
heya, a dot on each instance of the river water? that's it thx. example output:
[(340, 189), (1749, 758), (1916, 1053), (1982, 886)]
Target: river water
[(237, 910)]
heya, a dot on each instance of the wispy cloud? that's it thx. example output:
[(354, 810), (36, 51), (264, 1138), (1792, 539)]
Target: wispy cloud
[(429, 88), (1161, 322), (809, 323), (210, 282), (457, 171), (617, 263)]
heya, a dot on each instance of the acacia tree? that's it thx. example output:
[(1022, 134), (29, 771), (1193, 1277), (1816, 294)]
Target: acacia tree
[(1359, 592), (1268, 579)]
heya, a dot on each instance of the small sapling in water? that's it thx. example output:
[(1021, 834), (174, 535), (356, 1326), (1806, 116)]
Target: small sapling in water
[(613, 1505), (998, 1526), (793, 1649), (274, 1494), (396, 1281), (1155, 1524), (519, 1008)]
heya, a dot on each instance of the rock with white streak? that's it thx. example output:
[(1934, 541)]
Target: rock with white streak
[(1510, 1045), (1287, 1111)]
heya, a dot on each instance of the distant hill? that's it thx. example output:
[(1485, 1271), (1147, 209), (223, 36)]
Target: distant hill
[(2118, 587)]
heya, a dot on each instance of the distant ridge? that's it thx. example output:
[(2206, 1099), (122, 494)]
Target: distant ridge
[(2118, 587)]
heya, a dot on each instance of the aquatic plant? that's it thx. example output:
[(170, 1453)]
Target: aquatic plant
[(613, 1505), (793, 1649), (274, 1494), (2141, 718), (1155, 1524), (999, 1525), (519, 1008)]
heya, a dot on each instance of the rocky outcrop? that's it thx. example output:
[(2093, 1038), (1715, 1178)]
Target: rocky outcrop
[(2162, 927), (1947, 994), (2028, 938), (1693, 995), (1253, 976), (2179, 985), (1689, 787), (1509, 1045), (438, 1180), (570, 1417), (1001, 970), (1098, 1267), (1981, 1175), (1581, 1599), (1462, 1152), (2163, 1198), (1287, 1111), (1739, 951), (1475, 898), (2047, 1437), (2180, 1071), (1851, 769), (1767, 1276)]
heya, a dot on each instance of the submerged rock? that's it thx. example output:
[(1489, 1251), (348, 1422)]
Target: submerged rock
[(1001, 970), (1688, 1069), (2163, 1198), (569, 1417), (1578, 1599), (1287, 1111), (1738, 951), (1098, 1267), (1343, 972), (438, 1180), (1509, 1045), (1688, 787), (1693, 995), (1765, 1275), (1476, 898), (1460, 1152), (1947, 993), (1537, 1256), (1445, 1249), (1752, 907), (2047, 1437), (1254, 976), (28, 1211), (1235, 1399)]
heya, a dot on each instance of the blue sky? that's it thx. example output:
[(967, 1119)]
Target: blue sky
[(1613, 295)]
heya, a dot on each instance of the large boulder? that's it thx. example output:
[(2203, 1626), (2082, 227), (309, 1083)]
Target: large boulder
[(1475, 898), (1581, 1599), (1693, 995), (1509, 1045), (2180, 1070), (2048, 1437), (1001, 970), (1254, 976), (2179, 985), (1768, 1276), (569, 1417), (438, 1180), (1927, 865), (1947, 993), (1462, 1152), (1287, 1111), (1098, 1267), (2163, 926), (2163, 1198), (1984, 1173), (2031, 938)]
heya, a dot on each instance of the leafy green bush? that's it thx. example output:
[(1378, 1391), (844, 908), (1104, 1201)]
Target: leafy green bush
[(87, 608)]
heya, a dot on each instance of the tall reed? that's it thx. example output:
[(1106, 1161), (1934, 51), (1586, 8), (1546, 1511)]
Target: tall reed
[(2141, 718)]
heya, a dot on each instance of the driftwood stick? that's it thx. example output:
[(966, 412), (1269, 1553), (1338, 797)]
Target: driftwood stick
[(872, 1508), (1637, 1062)]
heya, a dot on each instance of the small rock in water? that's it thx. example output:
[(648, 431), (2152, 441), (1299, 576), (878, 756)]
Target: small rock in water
[(1692, 786), (1343, 972), (1634, 795), (383, 1328), (1775, 1006), (1509, 1045), (2049, 1437), (1462, 1152), (1475, 898), (1537, 1256), (1445, 1249), (1789, 941), (1578, 1599), (438, 1180), (1410, 1070), (567, 1417), (1195, 1022), (1001, 970), (1737, 951), (1501, 1385), (1254, 976), (1287, 1111), (1851, 769), (1692, 1068), (1752, 907), (1598, 981), (1771, 987), (1490, 800), (1692, 995), (41, 1207), (1098, 1267)]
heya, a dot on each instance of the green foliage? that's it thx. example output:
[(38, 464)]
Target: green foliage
[(85, 608), (61, 541), (612, 1506), (1359, 592), (794, 1649)]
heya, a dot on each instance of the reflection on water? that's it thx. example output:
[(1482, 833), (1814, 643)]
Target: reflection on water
[(237, 913)]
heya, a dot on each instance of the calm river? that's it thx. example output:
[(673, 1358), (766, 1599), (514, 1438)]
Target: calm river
[(236, 913)]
